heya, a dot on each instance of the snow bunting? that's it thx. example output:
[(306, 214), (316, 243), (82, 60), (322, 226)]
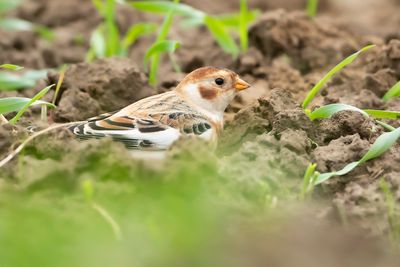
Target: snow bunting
[(195, 107)]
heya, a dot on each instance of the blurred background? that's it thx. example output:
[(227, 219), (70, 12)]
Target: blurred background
[(70, 203)]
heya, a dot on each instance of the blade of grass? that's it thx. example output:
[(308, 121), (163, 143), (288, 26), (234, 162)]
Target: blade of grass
[(11, 67), (220, 34), (162, 35), (112, 44), (11, 104), (383, 114), (136, 31), (385, 125), (233, 20), (88, 190), (10, 82), (392, 216), (45, 32), (380, 146), (13, 24), (7, 5), (243, 35), (393, 92), (311, 94), (27, 105), (329, 110), (97, 44), (165, 7), (99, 5), (59, 83), (15, 152), (308, 180), (160, 47), (312, 8)]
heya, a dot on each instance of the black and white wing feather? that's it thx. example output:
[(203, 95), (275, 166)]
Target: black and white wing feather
[(152, 124)]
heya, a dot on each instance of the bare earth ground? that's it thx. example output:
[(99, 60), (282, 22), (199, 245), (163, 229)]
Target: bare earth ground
[(268, 137)]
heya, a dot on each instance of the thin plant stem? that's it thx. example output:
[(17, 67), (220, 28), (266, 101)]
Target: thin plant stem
[(30, 138), (43, 113), (109, 219), (59, 83)]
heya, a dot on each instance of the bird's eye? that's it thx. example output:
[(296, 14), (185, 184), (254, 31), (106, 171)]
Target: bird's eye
[(219, 81)]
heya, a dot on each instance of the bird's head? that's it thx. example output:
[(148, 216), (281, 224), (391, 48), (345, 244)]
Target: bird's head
[(211, 88)]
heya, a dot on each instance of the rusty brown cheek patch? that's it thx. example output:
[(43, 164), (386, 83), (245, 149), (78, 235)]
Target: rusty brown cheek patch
[(207, 93)]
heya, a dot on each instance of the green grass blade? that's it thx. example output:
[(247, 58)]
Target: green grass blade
[(99, 5), (11, 67), (13, 24), (45, 32), (165, 7), (136, 31), (312, 8), (159, 48), (328, 110), (162, 35), (385, 125), (383, 114), (221, 35), (243, 35), (35, 74), (10, 82), (393, 92), (98, 43), (11, 104), (310, 96), (233, 20), (112, 32), (381, 145), (7, 5), (308, 180), (31, 101)]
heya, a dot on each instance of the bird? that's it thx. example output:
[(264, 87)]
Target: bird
[(194, 108)]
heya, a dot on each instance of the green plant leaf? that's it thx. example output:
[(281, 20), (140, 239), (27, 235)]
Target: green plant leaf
[(233, 20), (99, 5), (165, 6), (381, 145), (11, 67), (10, 82), (160, 47), (13, 24), (221, 35), (308, 180), (45, 32), (329, 110), (311, 94), (11, 104), (35, 74), (7, 5), (98, 43), (243, 25), (31, 101), (162, 35), (136, 31), (312, 8), (111, 29), (393, 92), (383, 114)]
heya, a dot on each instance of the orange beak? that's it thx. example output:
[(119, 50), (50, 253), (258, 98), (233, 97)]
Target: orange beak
[(241, 85)]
